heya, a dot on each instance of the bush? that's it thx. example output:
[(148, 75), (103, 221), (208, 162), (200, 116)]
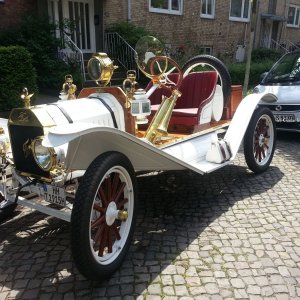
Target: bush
[(264, 54), (237, 72), (16, 71), (130, 32), (37, 35)]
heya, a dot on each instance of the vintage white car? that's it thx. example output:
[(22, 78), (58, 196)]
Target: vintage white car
[(77, 160), (283, 80)]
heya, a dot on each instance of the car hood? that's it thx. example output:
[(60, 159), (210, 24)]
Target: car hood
[(285, 94)]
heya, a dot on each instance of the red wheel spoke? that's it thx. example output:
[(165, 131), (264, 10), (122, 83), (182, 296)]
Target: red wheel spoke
[(109, 240), (103, 241), (108, 188), (102, 196), (98, 235), (115, 184), (120, 205), (120, 191), (99, 208), (97, 222), (259, 154), (116, 231)]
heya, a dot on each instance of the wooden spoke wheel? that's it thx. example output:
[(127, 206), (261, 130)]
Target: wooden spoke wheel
[(260, 140), (103, 216)]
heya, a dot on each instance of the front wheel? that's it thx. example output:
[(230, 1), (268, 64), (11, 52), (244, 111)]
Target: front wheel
[(260, 140), (103, 216)]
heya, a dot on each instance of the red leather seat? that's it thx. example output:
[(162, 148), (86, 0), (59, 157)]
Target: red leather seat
[(197, 92)]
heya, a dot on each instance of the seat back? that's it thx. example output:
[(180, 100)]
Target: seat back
[(196, 88)]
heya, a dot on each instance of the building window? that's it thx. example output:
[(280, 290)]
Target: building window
[(208, 9), (293, 16), (173, 7), (240, 10), (205, 50)]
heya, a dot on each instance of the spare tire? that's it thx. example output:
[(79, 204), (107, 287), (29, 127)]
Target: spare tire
[(214, 63)]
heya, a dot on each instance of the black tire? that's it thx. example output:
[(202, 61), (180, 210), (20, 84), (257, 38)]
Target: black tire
[(99, 248), (217, 65), (260, 140)]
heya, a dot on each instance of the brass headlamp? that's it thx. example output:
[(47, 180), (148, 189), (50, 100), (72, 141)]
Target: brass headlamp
[(45, 157), (100, 68)]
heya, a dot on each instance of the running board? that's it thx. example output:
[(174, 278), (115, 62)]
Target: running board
[(63, 215)]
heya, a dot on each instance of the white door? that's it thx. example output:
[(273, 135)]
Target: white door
[(81, 14)]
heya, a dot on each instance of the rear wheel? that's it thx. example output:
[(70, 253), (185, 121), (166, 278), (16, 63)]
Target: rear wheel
[(103, 216), (260, 140)]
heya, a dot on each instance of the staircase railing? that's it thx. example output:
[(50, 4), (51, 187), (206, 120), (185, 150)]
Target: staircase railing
[(71, 53), (118, 49), (280, 46), (291, 46), (286, 46)]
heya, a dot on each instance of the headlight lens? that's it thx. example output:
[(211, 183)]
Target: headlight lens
[(44, 156)]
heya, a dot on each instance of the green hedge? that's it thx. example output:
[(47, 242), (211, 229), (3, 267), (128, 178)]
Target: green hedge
[(37, 35), (237, 72), (262, 60), (16, 72)]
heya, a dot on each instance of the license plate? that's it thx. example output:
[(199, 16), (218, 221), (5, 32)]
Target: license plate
[(285, 118), (54, 194)]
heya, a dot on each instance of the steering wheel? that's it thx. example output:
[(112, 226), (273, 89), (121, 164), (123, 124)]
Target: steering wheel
[(157, 66)]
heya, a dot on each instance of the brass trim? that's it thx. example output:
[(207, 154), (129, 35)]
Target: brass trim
[(104, 68)]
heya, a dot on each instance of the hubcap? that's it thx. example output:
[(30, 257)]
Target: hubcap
[(111, 213)]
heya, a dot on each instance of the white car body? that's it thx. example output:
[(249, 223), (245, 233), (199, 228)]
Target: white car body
[(286, 87)]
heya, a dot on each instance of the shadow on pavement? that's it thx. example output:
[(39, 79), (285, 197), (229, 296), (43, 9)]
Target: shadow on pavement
[(175, 209)]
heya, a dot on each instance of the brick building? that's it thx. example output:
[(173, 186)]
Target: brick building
[(219, 27), (12, 12)]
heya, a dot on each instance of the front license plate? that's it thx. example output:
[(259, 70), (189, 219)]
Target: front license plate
[(54, 194), (285, 118)]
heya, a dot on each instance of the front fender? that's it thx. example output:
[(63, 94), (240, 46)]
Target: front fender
[(242, 117), (87, 141)]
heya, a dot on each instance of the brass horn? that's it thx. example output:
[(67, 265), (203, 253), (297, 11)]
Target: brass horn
[(159, 124)]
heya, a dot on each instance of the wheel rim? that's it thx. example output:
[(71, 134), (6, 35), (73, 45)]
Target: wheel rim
[(263, 139), (111, 215)]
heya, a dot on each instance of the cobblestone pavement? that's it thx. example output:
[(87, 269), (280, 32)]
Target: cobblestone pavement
[(227, 235)]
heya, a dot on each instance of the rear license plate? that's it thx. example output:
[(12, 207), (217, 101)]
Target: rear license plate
[(54, 194), (285, 118)]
